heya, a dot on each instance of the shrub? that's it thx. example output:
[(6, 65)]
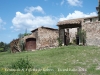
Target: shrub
[(82, 36), (59, 41), (21, 64)]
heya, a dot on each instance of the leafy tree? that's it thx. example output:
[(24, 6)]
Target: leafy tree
[(2, 44), (4, 47)]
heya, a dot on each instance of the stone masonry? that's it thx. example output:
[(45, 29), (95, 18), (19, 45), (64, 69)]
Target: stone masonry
[(92, 33), (89, 24), (45, 37)]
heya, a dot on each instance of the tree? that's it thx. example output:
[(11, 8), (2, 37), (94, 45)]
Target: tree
[(4, 47), (21, 41), (1, 44)]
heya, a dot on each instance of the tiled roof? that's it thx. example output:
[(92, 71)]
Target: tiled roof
[(44, 27), (73, 21)]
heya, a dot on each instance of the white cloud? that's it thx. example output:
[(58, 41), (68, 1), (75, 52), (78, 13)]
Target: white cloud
[(22, 21), (77, 14), (75, 2), (34, 9), (62, 2), (2, 23)]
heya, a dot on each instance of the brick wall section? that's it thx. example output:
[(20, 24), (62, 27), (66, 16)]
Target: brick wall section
[(47, 38), (92, 33)]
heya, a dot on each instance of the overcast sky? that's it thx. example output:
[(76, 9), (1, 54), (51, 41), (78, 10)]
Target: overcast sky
[(18, 15)]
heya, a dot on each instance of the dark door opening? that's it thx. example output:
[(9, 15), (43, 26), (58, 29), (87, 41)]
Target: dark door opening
[(67, 39), (30, 44), (77, 39)]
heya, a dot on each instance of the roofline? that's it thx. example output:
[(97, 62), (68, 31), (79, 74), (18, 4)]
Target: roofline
[(34, 30), (43, 27), (90, 17), (77, 19), (81, 18)]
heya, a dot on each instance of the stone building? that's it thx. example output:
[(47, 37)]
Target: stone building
[(40, 38), (89, 24)]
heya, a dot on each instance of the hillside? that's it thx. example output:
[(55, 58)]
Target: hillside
[(67, 60)]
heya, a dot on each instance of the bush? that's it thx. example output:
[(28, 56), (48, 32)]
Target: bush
[(21, 64), (82, 36), (1, 49), (59, 41)]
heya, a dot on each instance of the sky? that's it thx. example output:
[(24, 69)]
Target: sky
[(17, 16)]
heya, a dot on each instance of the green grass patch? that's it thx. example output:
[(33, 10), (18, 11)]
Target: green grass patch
[(65, 60)]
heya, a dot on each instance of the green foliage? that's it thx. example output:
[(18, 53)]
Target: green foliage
[(25, 34), (21, 44), (2, 44), (82, 36), (4, 47), (59, 41), (22, 64), (14, 73), (21, 41), (1, 49), (63, 57)]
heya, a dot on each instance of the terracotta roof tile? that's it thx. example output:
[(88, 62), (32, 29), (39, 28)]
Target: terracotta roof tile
[(73, 21)]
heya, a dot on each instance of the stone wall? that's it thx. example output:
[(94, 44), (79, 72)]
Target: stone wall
[(61, 35), (72, 34), (47, 38), (92, 33), (28, 36), (35, 34)]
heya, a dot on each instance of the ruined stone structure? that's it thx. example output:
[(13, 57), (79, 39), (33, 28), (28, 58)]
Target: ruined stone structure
[(45, 37), (92, 28), (89, 24), (14, 45), (64, 28), (42, 37), (29, 42)]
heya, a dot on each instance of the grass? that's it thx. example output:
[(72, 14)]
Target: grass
[(66, 60)]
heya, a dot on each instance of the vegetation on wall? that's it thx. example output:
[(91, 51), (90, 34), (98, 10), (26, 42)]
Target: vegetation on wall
[(21, 41), (82, 36), (59, 42)]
